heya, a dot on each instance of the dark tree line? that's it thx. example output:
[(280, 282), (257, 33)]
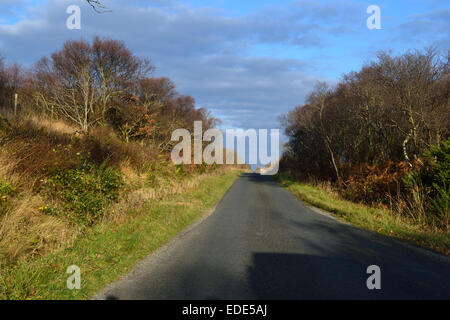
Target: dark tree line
[(381, 135), (392, 110)]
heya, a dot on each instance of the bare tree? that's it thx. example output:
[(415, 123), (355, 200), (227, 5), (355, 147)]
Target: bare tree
[(82, 81), (68, 84), (98, 6), (318, 99), (116, 71)]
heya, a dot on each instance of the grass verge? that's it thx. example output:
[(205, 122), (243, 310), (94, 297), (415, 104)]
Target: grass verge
[(375, 219), (109, 250)]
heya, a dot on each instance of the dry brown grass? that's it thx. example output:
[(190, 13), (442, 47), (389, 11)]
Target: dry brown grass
[(56, 126), (141, 194), (26, 232), (6, 169), (104, 145)]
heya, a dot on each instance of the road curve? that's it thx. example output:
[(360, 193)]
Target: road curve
[(262, 243)]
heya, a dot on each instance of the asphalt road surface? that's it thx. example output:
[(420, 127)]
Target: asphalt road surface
[(262, 243)]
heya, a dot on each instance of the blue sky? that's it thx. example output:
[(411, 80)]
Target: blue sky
[(247, 61)]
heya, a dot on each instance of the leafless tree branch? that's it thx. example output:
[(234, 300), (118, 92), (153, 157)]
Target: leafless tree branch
[(98, 6)]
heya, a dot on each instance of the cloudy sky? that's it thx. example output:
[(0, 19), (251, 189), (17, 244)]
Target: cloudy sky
[(248, 61)]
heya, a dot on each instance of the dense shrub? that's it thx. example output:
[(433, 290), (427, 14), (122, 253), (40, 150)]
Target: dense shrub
[(371, 184), (84, 192), (433, 177)]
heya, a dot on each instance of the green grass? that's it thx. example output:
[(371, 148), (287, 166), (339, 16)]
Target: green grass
[(108, 251), (375, 219)]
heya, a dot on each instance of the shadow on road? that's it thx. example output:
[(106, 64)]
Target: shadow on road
[(296, 276), (257, 178)]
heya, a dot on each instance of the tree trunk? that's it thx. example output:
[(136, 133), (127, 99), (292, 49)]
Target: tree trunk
[(405, 151), (333, 161)]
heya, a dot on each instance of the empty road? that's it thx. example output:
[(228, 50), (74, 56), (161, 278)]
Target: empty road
[(262, 243)]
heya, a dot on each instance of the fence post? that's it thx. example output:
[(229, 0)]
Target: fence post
[(15, 104)]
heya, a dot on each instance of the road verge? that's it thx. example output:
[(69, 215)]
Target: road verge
[(112, 249), (375, 219)]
